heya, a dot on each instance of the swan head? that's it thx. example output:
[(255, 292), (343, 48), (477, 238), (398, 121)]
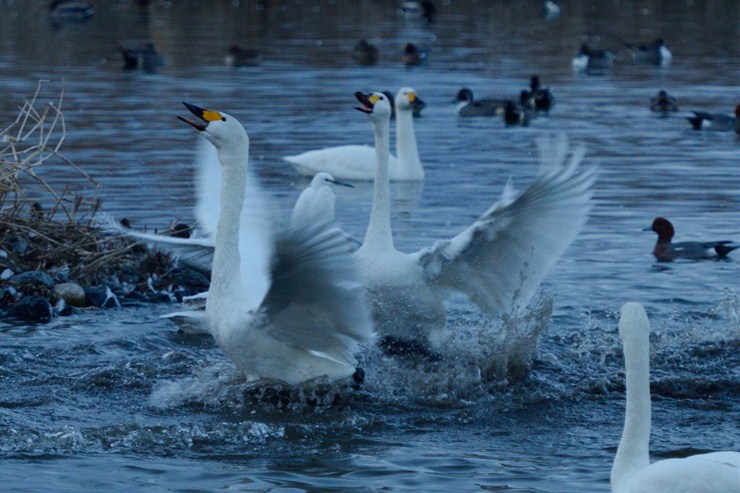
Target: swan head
[(221, 129), (323, 179), (407, 100), (376, 105)]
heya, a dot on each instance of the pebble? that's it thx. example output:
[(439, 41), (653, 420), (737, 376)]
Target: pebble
[(32, 309), (72, 294)]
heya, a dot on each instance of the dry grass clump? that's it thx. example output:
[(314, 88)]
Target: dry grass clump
[(61, 236)]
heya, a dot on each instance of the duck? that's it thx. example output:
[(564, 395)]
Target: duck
[(146, 57), (365, 53), (313, 317), (515, 115), (666, 251), (655, 53), (737, 119), (719, 122), (538, 98), (498, 261), (412, 55), (70, 11), (425, 10), (238, 56), (469, 107), (317, 203), (632, 472), (357, 162), (663, 103), (592, 61)]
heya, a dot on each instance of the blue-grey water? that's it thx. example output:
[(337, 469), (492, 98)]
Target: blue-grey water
[(118, 400)]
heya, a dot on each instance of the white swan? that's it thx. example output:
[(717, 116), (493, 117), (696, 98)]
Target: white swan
[(357, 162), (717, 472), (316, 204), (313, 316), (498, 262)]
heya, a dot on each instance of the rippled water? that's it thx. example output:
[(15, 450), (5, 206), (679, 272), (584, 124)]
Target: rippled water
[(117, 400)]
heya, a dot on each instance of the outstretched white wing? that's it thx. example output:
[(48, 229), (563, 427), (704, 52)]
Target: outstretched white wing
[(315, 300), (500, 260)]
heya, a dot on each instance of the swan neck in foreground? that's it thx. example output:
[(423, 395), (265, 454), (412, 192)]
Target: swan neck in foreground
[(633, 451), (406, 149), (379, 234), (226, 281)]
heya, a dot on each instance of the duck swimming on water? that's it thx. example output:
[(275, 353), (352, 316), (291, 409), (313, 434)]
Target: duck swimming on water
[(666, 251)]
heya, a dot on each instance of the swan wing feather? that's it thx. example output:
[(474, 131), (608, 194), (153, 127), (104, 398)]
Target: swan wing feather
[(500, 260), (315, 300), (196, 253)]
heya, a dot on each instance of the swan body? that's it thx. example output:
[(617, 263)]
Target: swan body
[(498, 261), (357, 162), (313, 317), (316, 204), (717, 472)]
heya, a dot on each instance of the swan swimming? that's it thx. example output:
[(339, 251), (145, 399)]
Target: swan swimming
[(316, 204), (357, 162), (498, 261), (313, 317), (717, 472)]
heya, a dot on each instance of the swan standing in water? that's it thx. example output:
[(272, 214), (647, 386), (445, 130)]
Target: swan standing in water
[(498, 261), (316, 204), (717, 472), (357, 162), (313, 316)]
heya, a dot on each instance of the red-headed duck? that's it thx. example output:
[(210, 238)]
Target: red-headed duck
[(666, 251)]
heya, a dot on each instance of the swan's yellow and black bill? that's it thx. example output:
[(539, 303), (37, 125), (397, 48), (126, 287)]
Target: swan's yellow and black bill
[(367, 101), (202, 113)]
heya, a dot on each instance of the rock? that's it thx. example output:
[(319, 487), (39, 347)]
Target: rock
[(71, 293), (16, 244), (94, 297), (101, 298), (33, 278), (6, 274), (32, 309)]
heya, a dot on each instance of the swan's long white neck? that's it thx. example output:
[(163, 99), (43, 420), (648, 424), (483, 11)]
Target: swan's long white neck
[(379, 236), (633, 452), (406, 149), (226, 281)]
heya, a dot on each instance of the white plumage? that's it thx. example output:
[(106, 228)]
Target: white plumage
[(498, 261), (316, 204), (717, 472), (313, 316), (357, 162)]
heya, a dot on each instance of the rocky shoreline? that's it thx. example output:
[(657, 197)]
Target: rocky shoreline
[(52, 269)]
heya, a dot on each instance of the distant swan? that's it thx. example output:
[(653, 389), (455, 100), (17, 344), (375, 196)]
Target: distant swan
[(357, 162), (717, 472), (316, 204), (313, 316), (498, 261)]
